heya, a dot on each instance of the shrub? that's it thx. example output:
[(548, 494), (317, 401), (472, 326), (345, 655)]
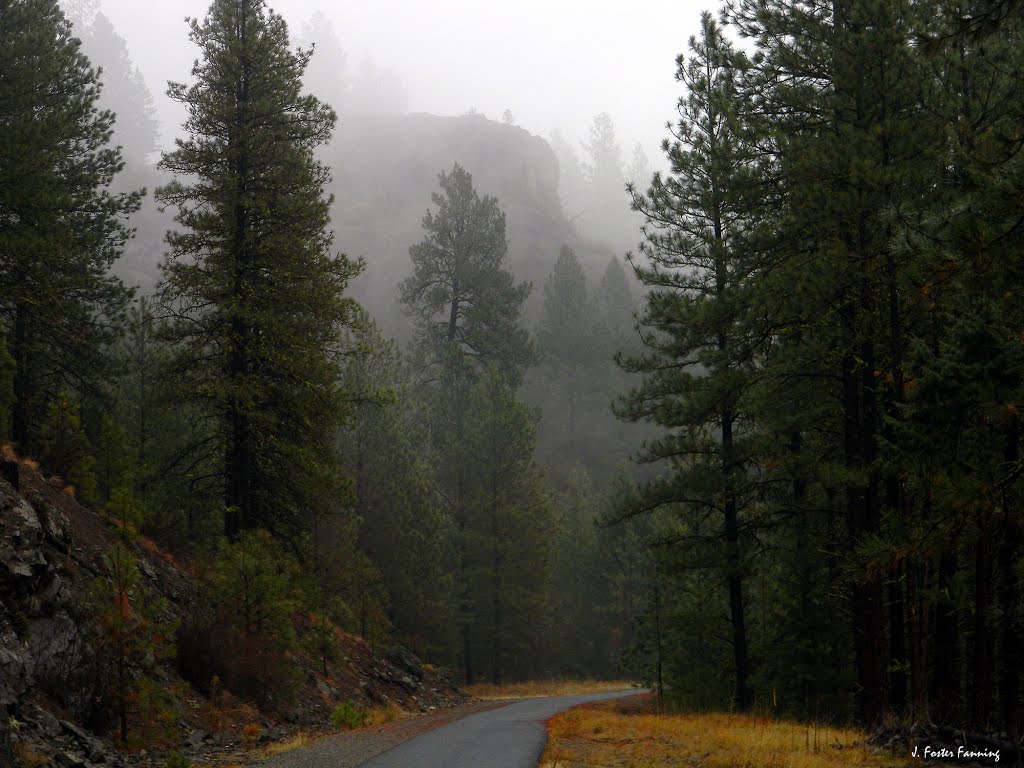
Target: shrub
[(347, 716), (252, 586), (65, 449), (250, 666), (176, 760), (127, 630), (246, 643)]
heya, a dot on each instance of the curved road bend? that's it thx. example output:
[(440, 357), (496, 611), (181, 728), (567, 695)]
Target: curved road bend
[(512, 736)]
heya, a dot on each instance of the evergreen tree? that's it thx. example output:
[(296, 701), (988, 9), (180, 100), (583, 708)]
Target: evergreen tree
[(253, 293), (401, 524), (504, 533), (579, 635), (856, 154), (698, 360), (61, 228), (125, 92), (65, 449), (617, 305), (604, 169), (571, 181), (639, 170), (466, 308), (567, 339), (462, 298), (608, 218), (328, 71), (7, 369)]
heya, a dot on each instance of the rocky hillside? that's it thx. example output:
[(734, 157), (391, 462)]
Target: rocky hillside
[(63, 657)]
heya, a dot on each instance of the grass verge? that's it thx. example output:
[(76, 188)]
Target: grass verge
[(624, 734), (540, 688)]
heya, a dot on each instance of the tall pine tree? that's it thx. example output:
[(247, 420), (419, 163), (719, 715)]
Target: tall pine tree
[(252, 287), (61, 228), (699, 359)]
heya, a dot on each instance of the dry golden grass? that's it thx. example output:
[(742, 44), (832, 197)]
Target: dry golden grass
[(603, 736), (298, 741), (539, 688), (387, 713), (27, 756)]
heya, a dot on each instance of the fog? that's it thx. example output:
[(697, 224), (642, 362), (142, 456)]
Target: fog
[(553, 64)]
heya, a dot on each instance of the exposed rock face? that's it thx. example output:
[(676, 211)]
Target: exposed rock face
[(40, 640), (405, 660), (29, 585)]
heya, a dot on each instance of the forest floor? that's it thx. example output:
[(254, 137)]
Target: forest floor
[(628, 733)]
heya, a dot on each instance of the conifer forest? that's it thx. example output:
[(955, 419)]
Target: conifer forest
[(740, 418)]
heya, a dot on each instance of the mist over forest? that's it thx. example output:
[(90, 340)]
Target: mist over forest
[(427, 330)]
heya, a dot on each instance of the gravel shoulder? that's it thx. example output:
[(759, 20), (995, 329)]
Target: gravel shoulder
[(352, 748)]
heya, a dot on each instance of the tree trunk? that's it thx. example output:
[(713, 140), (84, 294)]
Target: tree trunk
[(917, 584), (21, 416), (862, 518), (496, 565), (657, 639), (237, 498), (238, 490), (1011, 710), (945, 693), (453, 314), (984, 640), (897, 643), (744, 695), (467, 652)]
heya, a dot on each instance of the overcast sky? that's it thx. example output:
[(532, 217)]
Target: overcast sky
[(554, 63)]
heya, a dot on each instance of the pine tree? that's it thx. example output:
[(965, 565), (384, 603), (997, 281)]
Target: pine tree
[(856, 156), (607, 218), (463, 299), (328, 72), (698, 360), (604, 169), (401, 523), (571, 180), (504, 535), (567, 338), (617, 305), (61, 228), (466, 308), (125, 92), (251, 287)]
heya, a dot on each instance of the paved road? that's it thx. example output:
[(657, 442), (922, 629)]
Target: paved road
[(508, 737)]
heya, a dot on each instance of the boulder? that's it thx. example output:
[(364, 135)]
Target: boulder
[(21, 533), (196, 739), (405, 660), (16, 667), (54, 645), (55, 525)]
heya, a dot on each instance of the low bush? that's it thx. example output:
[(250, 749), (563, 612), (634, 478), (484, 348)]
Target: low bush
[(347, 716), (252, 667), (176, 760)]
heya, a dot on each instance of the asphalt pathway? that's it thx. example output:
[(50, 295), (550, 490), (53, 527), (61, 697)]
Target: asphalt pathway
[(512, 736)]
